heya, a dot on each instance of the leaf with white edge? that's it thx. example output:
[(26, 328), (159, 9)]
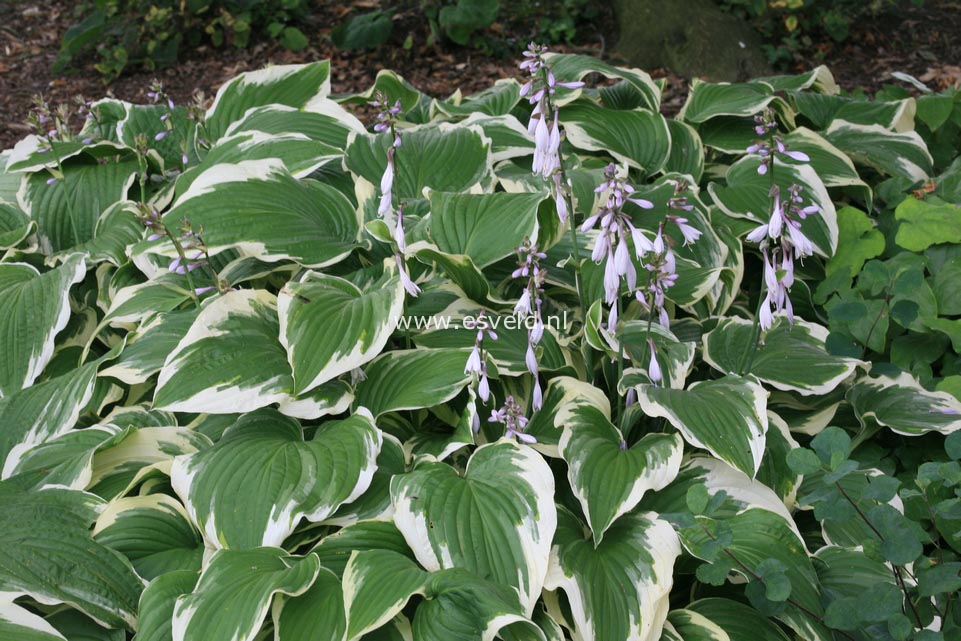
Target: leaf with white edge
[(321, 119), (639, 138), (819, 79), (573, 67), (66, 461), (42, 412), (233, 595), (831, 164), (747, 195), (377, 586), (739, 621), (257, 208), (22, 625), (895, 154), (608, 477), (708, 100), (497, 100), (458, 268), (336, 549), (564, 394), (792, 357), (486, 227), (229, 361), (443, 157), (412, 379), (290, 85), (153, 531), (693, 626), (262, 478), (506, 496), (157, 604), (509, 138), (726, 416), (76, 626), (36, 309), (775, 472), (15, 226), (117, 229), (333, 397), (148, 348), (298, 153), (461, 606), (135, 303), (375, 502), (315, 615), (46, 551), (67, 211), (758, 535), (902, 405), (687, 150), (330, 326), (617, 591), (675, 358)]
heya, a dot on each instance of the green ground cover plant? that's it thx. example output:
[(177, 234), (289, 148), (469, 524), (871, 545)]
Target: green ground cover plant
[(533, 363)]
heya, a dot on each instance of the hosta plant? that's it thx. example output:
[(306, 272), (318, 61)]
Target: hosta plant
[(534, 363)]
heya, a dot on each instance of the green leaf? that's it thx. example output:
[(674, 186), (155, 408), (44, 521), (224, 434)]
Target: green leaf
[(607, 477), (894, 154), (486, 227), (15, 226), (740, 622), (66, 461), (726, 416), (291, 85), (229, 361), (260, 210), (707, 100), (262, 477), (858, 242), (412, 379), (506, 496), (321, 119), (363, 30), (926, 223), (377, 586), (21, 624), (687, 150), (315, 615), (329, 326), (939, 579), (173, 544), (37, 308), (903, 406), (146, 349), (691, 626), (235, 590), (639, 138), (157, 604), (627, 577), (336, 549), (563, 395), (792, 357), (46, 552), (573, 67)]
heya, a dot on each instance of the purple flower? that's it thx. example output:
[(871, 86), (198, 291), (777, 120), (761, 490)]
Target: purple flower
[(161, 135), (511, 416), (204, 290), (409, 285), (654, 369)]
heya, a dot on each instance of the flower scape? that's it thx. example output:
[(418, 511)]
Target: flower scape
[(272, 372)]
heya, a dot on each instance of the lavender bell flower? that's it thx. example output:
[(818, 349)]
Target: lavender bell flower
[(409, 285), (511, 416), (654, 369), (530, 304), (476, 363)]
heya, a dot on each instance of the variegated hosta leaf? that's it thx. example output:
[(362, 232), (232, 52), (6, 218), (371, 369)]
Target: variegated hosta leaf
[(442, 157), (571, 67), (639, 138), (563, 395), (708, 100), (739, 621), (895, 154), (42, 412), (66, 461), (755, 536), (46, 552), (747, 195), (257, 208), (136, 302), (607, 477), (377, 586), (727, 417), (116, 229), (412, 379), (335, 550), (157, 604), (496, 521), (321, 119), (173, 543), (375, 502), (15, 226), (76, 626), (329, 325), (36, 309), (458, 605), (791, 358), (617, 591), (674, 358), (315, 615), (498, 100), (692, 626), (147, 349), (229, 361), (21, 624), (290, 85), (486, 227), (903, 406), (233, 595), (261, 478)]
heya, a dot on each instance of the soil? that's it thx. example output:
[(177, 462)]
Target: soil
[(922, 41)]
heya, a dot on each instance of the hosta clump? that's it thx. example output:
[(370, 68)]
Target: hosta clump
[(536, 363)]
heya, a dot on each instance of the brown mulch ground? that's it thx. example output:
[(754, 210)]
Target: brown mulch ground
[(925, 42)]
